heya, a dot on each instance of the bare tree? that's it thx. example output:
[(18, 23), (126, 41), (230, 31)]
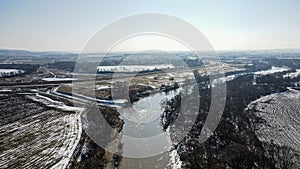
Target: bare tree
[(280, 156)]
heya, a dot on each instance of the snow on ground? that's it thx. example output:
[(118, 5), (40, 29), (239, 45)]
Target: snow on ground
[(224, 79), (272, 70), (72, 143), (57, 79), (263, 72), (133, 68), (8, 72), (293, 74), (174, 161), (101, 87), (282, 118), (55, 104), (44, 140), (5, 90), (86, 99)]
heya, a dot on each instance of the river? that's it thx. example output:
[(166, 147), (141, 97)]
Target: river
[(145, 143)]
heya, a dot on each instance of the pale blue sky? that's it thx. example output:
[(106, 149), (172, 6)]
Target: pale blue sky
[(229, 24)]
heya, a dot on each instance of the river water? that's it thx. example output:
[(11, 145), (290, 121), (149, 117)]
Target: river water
[(145, 143)]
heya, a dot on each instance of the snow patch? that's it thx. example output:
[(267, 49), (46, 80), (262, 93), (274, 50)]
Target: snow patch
[(272, 70)]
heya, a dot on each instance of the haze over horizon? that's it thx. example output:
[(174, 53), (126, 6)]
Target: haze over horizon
[(230, 25)]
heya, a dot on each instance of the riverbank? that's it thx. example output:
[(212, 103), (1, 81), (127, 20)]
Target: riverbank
[(234, 143)]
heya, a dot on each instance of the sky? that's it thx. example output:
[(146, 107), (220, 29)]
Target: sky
[(67, 25)]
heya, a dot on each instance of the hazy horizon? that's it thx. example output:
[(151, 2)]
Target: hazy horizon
[(231, 25), (223, 50)]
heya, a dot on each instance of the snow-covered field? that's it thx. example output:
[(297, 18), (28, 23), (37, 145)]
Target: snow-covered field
[(281, 112), (43, 140), (55, 79), (293, 74), (9, 72), (272, 70), (133, 68)]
